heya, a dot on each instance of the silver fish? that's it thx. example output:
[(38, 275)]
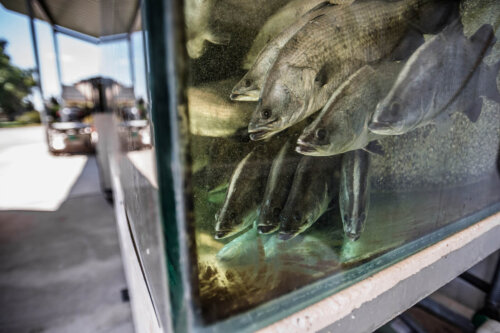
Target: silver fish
[(342, 124), (212, 114), (354, 194), (323, 54), (278, 186), (198, 29), (312, 191), (249, 87), (432, 79), (244, 194), (276, 23)]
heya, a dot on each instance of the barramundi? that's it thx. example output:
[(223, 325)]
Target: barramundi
[(313, 188), (434, 80), (278, 187), (324, 53), (354, 192), (249, 87), (244, 194), (342, 124)]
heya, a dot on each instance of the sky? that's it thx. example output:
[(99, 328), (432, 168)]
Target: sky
[(79, 59)]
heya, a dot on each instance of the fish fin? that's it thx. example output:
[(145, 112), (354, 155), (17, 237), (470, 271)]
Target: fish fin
[(321, 6), (195, 47), (314, 19), (412, 40), (219, 38), (485, 34), (433, 16), (486, 87), (473, 111), (323, 75), (374, 147)]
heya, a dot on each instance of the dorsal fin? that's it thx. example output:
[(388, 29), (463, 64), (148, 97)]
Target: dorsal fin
[(374, 147), (319, 6)]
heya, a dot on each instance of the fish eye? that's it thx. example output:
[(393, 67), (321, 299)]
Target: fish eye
[(266, 113), (232, 215), (321, 134), (296, 216), (345, 218), (247, 83), (395, 107)]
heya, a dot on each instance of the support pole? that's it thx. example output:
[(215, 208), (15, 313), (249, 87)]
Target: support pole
[(37, 60), (131, 61), (35, 46), (146, 64), (58, 59)]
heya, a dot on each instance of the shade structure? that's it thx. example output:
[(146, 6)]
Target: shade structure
[(91, 18)]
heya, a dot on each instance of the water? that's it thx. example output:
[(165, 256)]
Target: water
[(428, 178)]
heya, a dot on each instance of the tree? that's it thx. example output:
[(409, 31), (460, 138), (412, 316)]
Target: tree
[(15, 85)]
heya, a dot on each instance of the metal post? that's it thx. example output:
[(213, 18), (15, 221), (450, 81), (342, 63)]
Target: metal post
[(35, 45), (58, 59), (131, 61), (37, 59), (146, 64)]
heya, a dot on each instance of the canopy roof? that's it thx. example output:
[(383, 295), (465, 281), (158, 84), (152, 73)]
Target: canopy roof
[(94, 19)]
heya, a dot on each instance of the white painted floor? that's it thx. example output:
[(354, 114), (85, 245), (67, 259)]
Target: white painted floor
[(60, 263)]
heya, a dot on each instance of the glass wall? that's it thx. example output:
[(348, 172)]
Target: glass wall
[(319, 142)]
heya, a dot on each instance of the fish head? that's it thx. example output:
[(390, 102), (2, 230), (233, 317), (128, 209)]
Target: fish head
[(393, 116), (410, 99), (250, 86), (247, 89), (333, 132), (354, 225), (229, 221), (268, 219), (284, 102), (294, 220)]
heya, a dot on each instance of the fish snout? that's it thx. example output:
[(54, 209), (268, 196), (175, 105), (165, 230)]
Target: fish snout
[(305, 148), (219, 234), (266, 229), (248, 96), (353, 236), (354, 226), (284, 236), (380, 127)]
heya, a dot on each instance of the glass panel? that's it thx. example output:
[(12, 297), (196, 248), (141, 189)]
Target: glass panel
[(331, 139), (126, 127)]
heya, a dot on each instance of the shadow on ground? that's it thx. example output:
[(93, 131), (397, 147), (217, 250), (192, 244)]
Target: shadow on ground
[(61, 271)]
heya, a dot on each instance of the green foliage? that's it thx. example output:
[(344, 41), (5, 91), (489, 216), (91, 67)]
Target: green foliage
[(15, 85), (30, 117)]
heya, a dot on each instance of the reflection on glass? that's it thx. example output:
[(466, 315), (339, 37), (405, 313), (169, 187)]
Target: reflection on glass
[(324, 135)]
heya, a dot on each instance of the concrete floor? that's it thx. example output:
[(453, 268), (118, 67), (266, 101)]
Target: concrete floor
[(60, 269)]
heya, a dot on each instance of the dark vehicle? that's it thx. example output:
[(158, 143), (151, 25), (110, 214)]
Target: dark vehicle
[(133, 130), (71, 137)]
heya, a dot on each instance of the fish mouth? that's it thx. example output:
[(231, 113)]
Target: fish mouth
[(284, 236), (262, 132), (248, 96), (260, 135), (305, 148), (382, 128), (266, 229), (220, 234), (353, 236)]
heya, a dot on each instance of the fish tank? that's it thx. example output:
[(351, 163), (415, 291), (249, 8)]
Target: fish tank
[(301, 146)]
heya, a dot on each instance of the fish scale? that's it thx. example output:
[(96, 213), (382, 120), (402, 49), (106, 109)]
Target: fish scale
[(323, 54), (361, 27)]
